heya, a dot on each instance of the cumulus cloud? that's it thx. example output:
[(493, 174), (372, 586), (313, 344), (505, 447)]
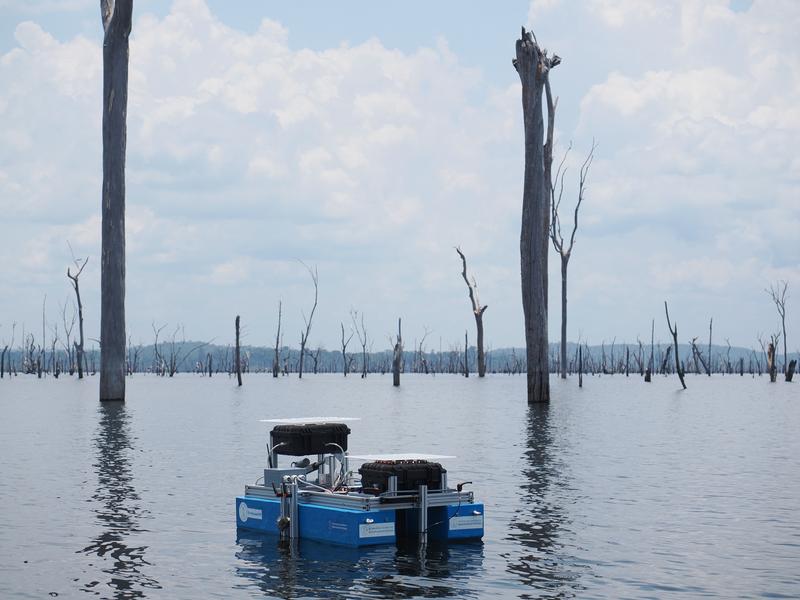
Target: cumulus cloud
[(248, 151), (243, 150)]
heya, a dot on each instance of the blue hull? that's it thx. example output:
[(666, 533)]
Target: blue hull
[(359, 528)]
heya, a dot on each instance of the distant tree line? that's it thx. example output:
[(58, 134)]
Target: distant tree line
[(172, 355)]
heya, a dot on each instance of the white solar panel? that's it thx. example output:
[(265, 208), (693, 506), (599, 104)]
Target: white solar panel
[(399, 456), (309, 420)]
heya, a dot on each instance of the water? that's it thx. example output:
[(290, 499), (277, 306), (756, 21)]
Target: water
[(619, 490)]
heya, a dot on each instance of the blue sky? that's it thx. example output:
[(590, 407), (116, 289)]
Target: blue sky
[(370, 139)]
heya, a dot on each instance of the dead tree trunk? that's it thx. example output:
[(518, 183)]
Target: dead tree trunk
[(3, 363), (580, 366), (397, 359), (466, 355), (308, 321), (210, 363), (276, 365), (76, 286), (790, 370), (710, 362), (237, 359), (565, 251), (344, 349), (627, 360), (477, 311), (772, 368), (699, 356), (533, 66), (778, 294), (116, 16), (361, 333), (674, 332)]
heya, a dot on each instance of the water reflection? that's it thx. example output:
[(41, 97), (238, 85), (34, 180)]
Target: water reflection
[(538, 527), (318, 570), (117, 511)]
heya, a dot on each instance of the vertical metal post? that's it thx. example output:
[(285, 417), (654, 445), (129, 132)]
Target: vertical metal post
[(444, 481), (321, 469), (330, 467), (422, 513), (282, 530), (273, 457), (391, 484), (294, 523)]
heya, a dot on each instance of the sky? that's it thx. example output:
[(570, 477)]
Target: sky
[(370, 139)]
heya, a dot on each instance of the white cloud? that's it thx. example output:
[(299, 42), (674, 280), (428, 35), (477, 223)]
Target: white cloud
[(246, 152)]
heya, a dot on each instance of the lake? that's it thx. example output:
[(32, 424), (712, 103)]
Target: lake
[(620, 489)]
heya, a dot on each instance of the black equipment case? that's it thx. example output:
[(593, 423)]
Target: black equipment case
[(410, 474), (309, 439)]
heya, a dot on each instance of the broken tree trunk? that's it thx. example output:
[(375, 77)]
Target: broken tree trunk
[(116, 17), (533, 66), (674, 332), (772, 368), (398, 355), (790, 370), (237, 355), (477, 311), (276, 366), (466, 355)]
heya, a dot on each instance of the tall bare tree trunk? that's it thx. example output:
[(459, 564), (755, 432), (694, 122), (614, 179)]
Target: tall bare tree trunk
[(564, 251), (117, 28), (674, 332), (237, 355), (308, 321), (477, 311), (533, 67), (778, 294), (76, 286)]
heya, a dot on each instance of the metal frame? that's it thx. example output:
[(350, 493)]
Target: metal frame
[(357, 501)]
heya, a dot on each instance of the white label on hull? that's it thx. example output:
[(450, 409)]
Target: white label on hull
[(466, 522), (371, 530), (245, 512)]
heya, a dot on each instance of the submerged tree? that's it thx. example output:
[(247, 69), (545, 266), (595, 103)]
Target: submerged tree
[(397, 357), (79, 266), (276, 358), (237, 356), (345, 341), (361, 333), (533, 66), (116, 15), (565, 251), (674, 331), (304, 334), (477, 311), (778, 294)]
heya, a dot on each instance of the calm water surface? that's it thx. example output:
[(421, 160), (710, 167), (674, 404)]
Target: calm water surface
[(617, 490)]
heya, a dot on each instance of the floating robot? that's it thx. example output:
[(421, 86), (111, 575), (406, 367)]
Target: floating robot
[(391, 497)]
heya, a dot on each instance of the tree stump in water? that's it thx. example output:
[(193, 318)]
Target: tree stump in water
[(790, 370)]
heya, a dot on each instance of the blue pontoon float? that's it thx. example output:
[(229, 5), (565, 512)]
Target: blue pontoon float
[(390, 497)]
